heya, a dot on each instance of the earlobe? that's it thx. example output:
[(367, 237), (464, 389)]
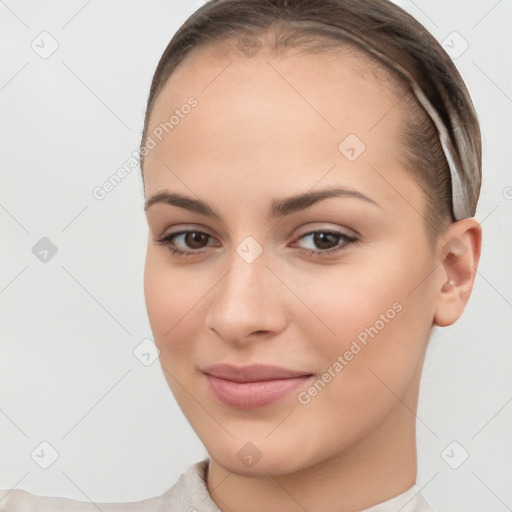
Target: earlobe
[(459, 256)]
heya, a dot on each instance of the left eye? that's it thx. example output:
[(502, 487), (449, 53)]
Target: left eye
[(335, 241), (196, 240)]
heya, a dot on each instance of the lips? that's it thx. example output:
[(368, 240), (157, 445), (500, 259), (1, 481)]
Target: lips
[(250, 387), (252, 373)]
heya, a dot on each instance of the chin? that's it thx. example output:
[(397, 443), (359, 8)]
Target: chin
[(259, 458)]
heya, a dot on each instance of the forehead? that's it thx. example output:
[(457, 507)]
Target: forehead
[(329, 75), (266, 116)]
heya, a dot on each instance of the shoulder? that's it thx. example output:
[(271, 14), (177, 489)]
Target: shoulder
[(189, 490), (18, 500)]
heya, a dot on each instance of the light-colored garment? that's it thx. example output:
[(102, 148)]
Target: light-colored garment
[(188, 494)]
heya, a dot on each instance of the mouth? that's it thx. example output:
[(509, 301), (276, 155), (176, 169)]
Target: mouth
[(252, 373), (254, 386)]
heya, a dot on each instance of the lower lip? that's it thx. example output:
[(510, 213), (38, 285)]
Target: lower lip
[(251, 395)]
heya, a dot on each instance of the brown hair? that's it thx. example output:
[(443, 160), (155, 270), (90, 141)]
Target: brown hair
[(244, 24)]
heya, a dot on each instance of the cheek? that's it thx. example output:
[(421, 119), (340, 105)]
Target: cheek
[(346, 300), (173, 301), (371, 360), (172, 297), (375, 316)]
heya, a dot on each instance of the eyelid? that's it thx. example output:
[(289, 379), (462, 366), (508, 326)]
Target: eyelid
[(184, 231), (319, 226), (181, 228)]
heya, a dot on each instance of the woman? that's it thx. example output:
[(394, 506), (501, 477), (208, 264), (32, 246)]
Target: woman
[(311, 173)]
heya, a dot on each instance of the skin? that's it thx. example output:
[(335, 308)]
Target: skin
[(268, 128)]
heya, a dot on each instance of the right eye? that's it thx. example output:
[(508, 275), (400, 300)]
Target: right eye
[(191, 238)]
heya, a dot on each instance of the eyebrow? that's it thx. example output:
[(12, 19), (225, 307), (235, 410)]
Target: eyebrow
[(279, 207)]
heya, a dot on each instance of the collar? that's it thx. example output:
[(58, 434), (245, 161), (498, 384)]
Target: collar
[(191, 491)]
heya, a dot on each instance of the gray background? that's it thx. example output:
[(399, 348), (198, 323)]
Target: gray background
[(69, 376)]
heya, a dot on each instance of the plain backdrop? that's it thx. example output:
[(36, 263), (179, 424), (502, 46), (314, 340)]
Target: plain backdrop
[(71, 283)]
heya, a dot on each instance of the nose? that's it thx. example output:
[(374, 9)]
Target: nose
[(248, 303)]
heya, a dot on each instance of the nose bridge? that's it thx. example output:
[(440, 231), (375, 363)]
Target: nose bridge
[(245, 299), (244, 288)]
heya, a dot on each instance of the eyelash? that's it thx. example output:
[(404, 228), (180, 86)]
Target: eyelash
[(350, 240)]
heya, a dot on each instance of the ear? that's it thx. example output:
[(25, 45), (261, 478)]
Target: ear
[(459, 255)]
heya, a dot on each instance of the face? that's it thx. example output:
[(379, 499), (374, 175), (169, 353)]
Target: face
[(336, 288)]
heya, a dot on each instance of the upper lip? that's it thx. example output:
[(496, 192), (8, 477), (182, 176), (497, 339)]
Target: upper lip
[(252, 373)]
